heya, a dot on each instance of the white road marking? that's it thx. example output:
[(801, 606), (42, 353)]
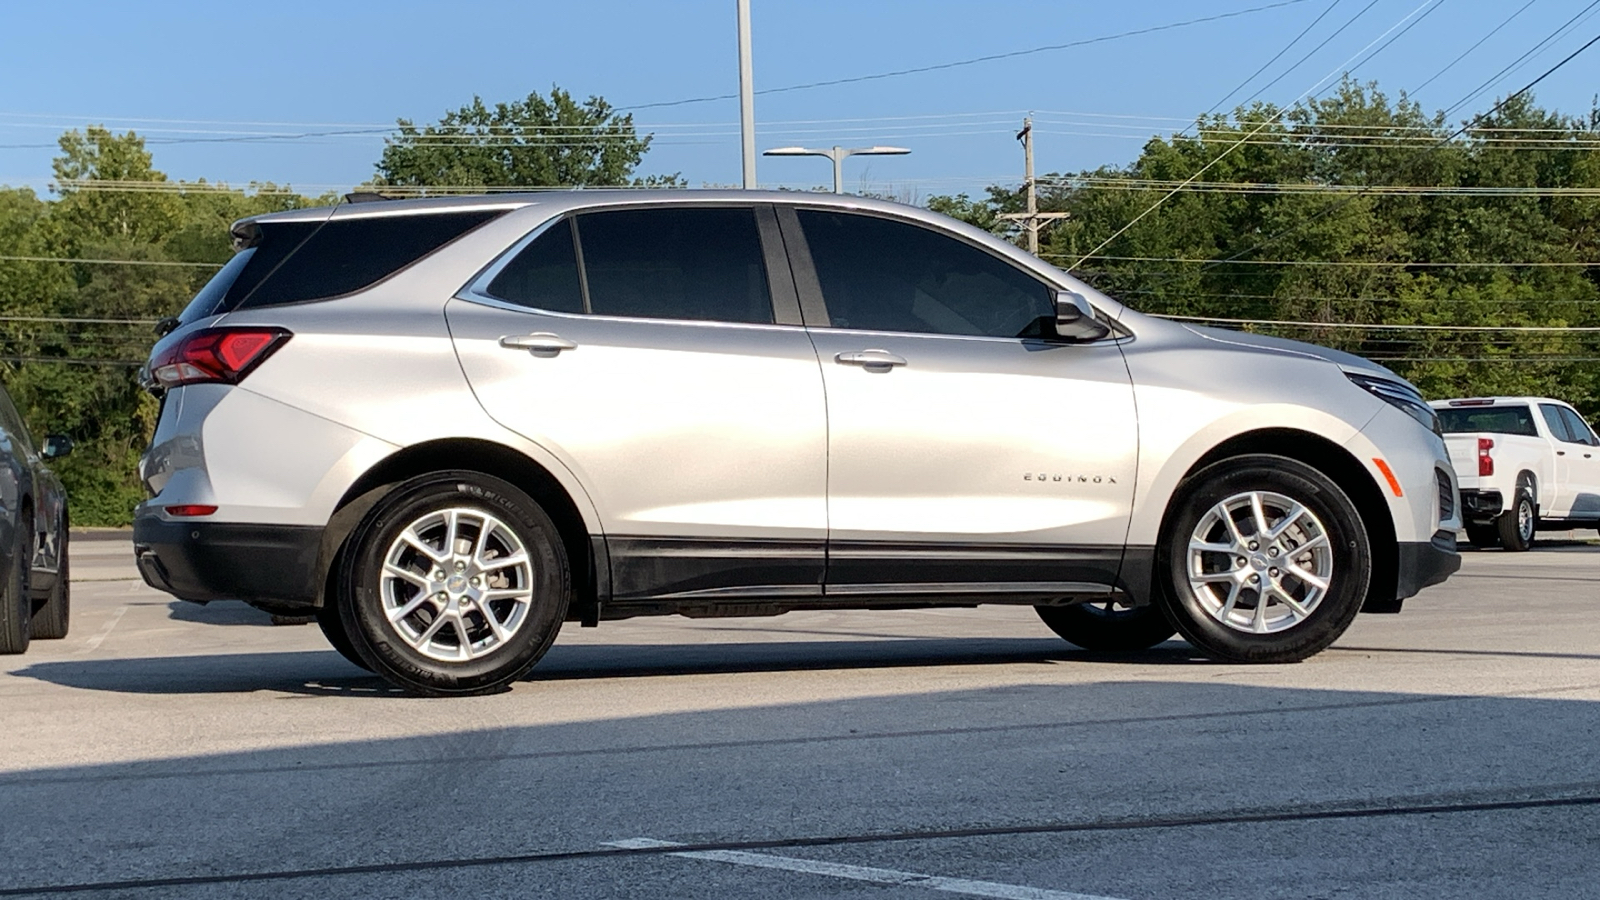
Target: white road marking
[(94, 642), (965, 886)]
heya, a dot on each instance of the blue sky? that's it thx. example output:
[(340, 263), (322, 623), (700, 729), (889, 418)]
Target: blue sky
[(215, 76)]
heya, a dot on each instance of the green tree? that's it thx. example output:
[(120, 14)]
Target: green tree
[(539, 141)]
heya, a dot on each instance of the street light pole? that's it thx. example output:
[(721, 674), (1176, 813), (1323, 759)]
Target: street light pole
[(747, 100), (837, 154)]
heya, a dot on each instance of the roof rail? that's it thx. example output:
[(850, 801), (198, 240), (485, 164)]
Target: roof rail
[(365, 197)]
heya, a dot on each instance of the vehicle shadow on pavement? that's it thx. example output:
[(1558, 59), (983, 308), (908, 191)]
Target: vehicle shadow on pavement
[(319, 673), (1089, 770), (217, 612)]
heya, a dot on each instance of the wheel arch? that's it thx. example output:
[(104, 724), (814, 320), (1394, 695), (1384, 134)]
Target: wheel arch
[(1347, 472), (489, 458)]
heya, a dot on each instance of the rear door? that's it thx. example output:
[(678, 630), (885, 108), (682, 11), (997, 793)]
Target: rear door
[(968, 453), (1568, 468), (1584, 458), (658, 352)]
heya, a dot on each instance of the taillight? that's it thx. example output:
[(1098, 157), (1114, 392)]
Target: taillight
[(190, 509), (215, 355), (1485, 461)]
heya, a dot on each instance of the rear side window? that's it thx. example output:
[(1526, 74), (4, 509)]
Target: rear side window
[(1579, 429), (347, 255), (1491, 419), (544, 275), (698, 264), (1557, 425), (294, 261)]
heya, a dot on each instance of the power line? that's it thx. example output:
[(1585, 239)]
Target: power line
[(1465, 53), (1279, 55), (1516, 63), (971, 62), (1457, 133), (1372, 326), (109, 262), (1259, 128), (1370, 263)]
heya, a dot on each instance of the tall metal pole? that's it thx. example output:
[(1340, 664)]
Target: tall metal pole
[(1033, 194), (838, 156), (747, 100)]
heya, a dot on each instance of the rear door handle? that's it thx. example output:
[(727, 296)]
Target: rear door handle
[(870, 359), (538, 342)]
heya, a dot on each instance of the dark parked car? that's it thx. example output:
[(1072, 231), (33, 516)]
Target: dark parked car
[(34, 594)]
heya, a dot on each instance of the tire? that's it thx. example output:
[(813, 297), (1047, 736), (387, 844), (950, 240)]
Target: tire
[(1209, 594), (1107, 628), (1483, 535), (16, 604), (52, 618), (441, 641), (332, 626), (1516, 525)]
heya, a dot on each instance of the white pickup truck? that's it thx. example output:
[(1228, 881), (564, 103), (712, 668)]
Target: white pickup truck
[(1523, 464)]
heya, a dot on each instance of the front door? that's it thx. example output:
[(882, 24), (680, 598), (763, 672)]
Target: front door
[(969, 450), (641, 348)]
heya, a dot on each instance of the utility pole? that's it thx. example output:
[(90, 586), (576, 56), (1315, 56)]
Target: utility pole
[(1032, 217), (747, 100)]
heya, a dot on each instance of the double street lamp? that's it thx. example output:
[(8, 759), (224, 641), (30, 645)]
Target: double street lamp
[(837, 154)]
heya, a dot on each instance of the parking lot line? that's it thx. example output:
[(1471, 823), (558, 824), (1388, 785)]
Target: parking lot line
[(93, 643), (965, 886)]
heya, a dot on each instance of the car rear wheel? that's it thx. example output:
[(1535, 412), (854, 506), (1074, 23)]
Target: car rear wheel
[(1516, 525), (1263, 559), (455, 583), (1108, 626), (16, 605), (332, 625), (52, 618)]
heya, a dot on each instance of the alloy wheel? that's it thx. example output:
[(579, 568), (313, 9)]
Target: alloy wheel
[(457, 584), (1260, 562)]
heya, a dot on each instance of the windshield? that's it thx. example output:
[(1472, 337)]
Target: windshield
[(1491, 419)]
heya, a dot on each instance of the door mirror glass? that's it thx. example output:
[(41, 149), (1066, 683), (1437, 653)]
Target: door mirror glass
[(1075, 317), (56, 446)]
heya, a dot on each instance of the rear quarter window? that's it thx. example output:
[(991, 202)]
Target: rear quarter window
[(291, 262), (344, 256)]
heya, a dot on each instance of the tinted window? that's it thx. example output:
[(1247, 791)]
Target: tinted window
[(209, 300), (1557, 425), (702, 264), (883, 275), (342, 256), (544, 275), (1576, 427), (1492, 419)]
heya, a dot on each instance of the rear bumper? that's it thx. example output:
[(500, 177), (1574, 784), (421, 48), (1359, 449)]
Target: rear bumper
[(1480, 506), (1426, 564), (204, 561)]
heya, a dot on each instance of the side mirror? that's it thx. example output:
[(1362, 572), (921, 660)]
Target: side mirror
[(56, 446), (1075, 318)]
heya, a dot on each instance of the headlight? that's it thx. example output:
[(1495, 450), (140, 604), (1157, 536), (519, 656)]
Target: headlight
[(1400, 396)]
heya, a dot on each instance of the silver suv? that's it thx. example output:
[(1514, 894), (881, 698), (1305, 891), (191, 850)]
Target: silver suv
[(451, 425)]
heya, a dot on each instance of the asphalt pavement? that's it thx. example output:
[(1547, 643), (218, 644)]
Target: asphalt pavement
[(166, 749)]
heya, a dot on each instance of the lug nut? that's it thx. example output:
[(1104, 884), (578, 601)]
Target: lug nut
[(1273, 552), (460, 566), (1254, 545), (1255, 579), (1273, 572), (1242, 561), (475, 580)]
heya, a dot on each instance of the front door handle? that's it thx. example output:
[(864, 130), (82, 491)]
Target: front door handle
[(872, 359), (539, 342)]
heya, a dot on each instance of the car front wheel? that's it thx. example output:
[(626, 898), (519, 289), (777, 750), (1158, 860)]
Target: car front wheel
[(1263, 559), (454, 584)]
